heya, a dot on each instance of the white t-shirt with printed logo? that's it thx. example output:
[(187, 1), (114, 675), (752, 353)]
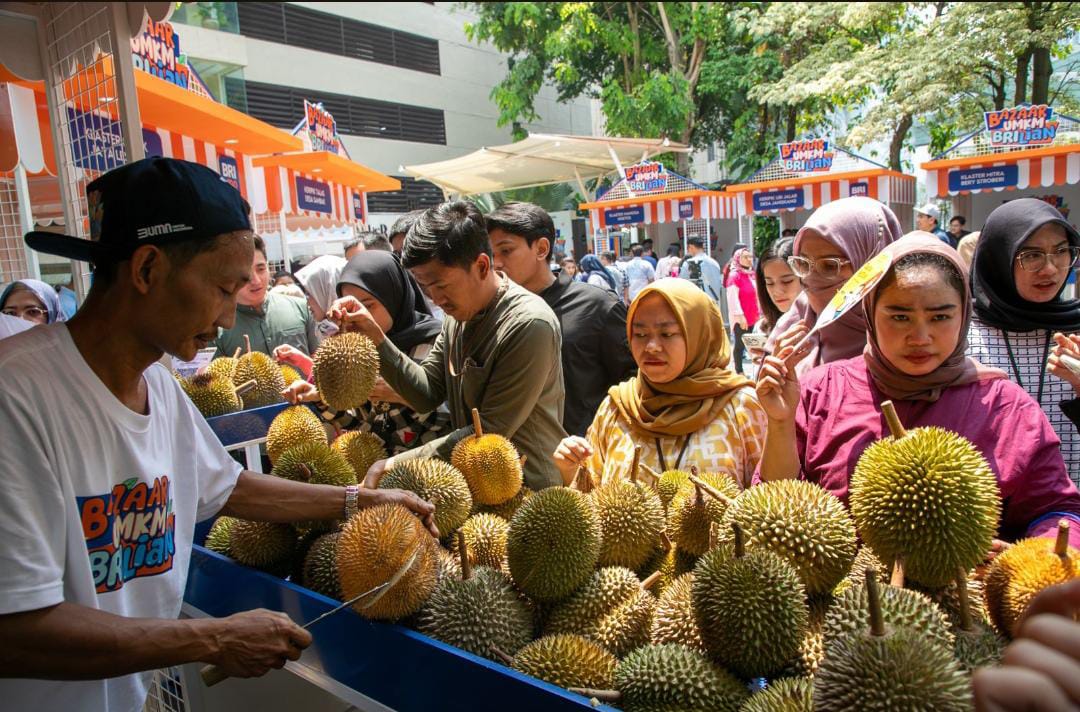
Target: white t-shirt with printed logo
[(98, 503)]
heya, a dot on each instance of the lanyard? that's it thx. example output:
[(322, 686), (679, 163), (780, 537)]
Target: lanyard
[(1016, 368), (682, 452)]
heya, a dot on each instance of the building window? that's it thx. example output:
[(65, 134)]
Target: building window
[(710, 152), (414, 195)]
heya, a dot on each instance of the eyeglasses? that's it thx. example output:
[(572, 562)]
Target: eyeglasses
[(1035, 260), (27, 313), (828, 267)]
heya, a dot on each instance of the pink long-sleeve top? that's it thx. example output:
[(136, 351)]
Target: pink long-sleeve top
[(839, 416)]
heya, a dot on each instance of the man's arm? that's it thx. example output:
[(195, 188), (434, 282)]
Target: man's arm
[(422, 385)]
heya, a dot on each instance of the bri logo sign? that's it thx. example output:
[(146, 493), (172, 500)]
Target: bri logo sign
[(130, 532), (807, 156), (1022, 126)]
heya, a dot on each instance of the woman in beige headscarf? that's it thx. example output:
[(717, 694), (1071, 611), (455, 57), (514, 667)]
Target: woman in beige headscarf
[(685, 407)]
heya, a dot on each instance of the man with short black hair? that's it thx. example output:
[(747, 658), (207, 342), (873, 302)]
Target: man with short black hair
[(703, 270), (639, 272), (400, 229), (789, 232), (957, 229), (622, 284), (499, 350), (375, 241), (647, 252), (354, 247), (107, 465), (595, 354)]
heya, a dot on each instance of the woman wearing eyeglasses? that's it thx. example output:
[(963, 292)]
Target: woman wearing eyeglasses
[(1023, 259), (31, 300), (836, 241)]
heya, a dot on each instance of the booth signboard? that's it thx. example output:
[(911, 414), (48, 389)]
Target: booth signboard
[(989, 177), (860, 189), (313, 195), (157, 51), (806, 156), (321, 129), (646, 177), (229, 170), (686, 210), (625, 216), (779, 200), (98, 145), (358, 206), (1021, 126)]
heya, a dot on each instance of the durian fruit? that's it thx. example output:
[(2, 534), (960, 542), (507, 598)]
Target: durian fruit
[(977, 643), (802, 522), (926, 496), (750, 608), (223, 366), (485, 537), (314, 463), (507, 509), (1024, 569), (793, 694), (900, 607), (694, 510), (346, 366), (612, 609), (491, 465), (263, 545), (631, 521), (448, 566), (567, 661), (437, 482), (212, 395), (675, 677), (866, 558), (479, 612), (387, 544), (257, 366), (217, 539), (671, 562), (320, 566), (290, 374), (292, 427), (361, 450), (553, 543), (673, 620), (669, 484), (888, 668), (812, 646)]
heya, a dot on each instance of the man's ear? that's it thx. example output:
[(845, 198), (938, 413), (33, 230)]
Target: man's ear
[(148, 266), (483, 265), (542, 249)]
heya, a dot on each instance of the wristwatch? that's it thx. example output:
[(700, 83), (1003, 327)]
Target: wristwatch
[(352, 501)]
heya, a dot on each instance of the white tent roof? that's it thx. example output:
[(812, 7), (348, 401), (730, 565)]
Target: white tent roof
[(540, 159)]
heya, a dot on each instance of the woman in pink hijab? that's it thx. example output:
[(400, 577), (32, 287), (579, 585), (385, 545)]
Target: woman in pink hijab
[(916, 321), (838, 239)]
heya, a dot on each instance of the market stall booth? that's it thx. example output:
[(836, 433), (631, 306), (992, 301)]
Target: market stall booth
[(650, 200), (809, 173), (1019, 152)]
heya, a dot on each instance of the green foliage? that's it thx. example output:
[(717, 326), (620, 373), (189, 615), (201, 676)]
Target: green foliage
[(552, 198), (766, 230)]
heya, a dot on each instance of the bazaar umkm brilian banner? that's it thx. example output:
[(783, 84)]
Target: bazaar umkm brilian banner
[(1024, 125), (812, 155)]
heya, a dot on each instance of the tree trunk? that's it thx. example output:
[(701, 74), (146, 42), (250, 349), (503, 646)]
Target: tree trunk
[(792, 115), (897, 143), (999, 93), (1020, 92), (1041, 70)]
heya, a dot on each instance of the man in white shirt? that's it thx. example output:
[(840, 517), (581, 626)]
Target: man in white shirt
[(639, 271), (106, 465)]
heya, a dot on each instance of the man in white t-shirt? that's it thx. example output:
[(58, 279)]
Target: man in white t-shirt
[(106, 465), (639, 271)]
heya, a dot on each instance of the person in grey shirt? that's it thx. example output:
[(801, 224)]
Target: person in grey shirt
[(703, 270)]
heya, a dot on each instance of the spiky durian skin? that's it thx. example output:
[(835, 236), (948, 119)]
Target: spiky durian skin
[(979, 647), (553, 543), (793, 694), (212, 394), (289, 374), (377, 546), (812, 646), (477, 614), (345, 369), (361, 450), (567, 661), (671, 564), (901, 670), (269, 383), (293, 427), (692, 513), (485, 540), (263, 545), (491, 465), (631, 519), (864, 559), (449, 566), (669, 484), (800, 521), (674, 677), (1020, 572), (611, 609), (673, 620), (751, 611), (900, 608), (217, 539), (223, 366), (437, 482), (325, 466), (320, 566), (929, 497)]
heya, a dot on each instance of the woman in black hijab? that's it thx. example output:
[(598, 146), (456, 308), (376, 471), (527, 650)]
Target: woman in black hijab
[(1025, 254)]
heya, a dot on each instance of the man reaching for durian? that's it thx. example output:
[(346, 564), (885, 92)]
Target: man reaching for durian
[(107, 465), (917, 319)]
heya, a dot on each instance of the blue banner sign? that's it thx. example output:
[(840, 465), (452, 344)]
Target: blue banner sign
[(358, 206), (313, 195), (624, 216), (229, 171), (779, 200), (983, 178), (856, 190), (97, 143)]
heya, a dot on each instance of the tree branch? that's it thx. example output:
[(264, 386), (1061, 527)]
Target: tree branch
[(672, 42)]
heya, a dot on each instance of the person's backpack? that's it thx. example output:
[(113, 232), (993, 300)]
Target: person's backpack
[(693, 271)]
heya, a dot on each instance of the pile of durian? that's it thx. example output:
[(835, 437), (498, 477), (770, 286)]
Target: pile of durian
[(676, 590)]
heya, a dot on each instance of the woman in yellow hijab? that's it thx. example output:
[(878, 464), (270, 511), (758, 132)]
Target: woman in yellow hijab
[(685, 407)]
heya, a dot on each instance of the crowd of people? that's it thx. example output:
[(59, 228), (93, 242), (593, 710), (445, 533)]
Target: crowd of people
[(580, 364)]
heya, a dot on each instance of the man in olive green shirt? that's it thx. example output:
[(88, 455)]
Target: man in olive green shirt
[(269, 320), (499, 350)]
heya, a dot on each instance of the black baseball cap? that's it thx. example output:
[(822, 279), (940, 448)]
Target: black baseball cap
[(152, 201)]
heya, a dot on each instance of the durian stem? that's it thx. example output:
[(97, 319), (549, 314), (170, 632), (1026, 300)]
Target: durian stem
[(965, 605), (477, 427), (246, 386), (895, 426), (873, 595), (740, 540), (710, 490), (247, 343), (602, 695), (236, 354), (506, 659), (1061, 546), (714, 535), (523, 460), (634, 465), (665, 541), (651, 580), (643, 468), (898, 576), (463, 553), (583, 480), (305, 472)]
